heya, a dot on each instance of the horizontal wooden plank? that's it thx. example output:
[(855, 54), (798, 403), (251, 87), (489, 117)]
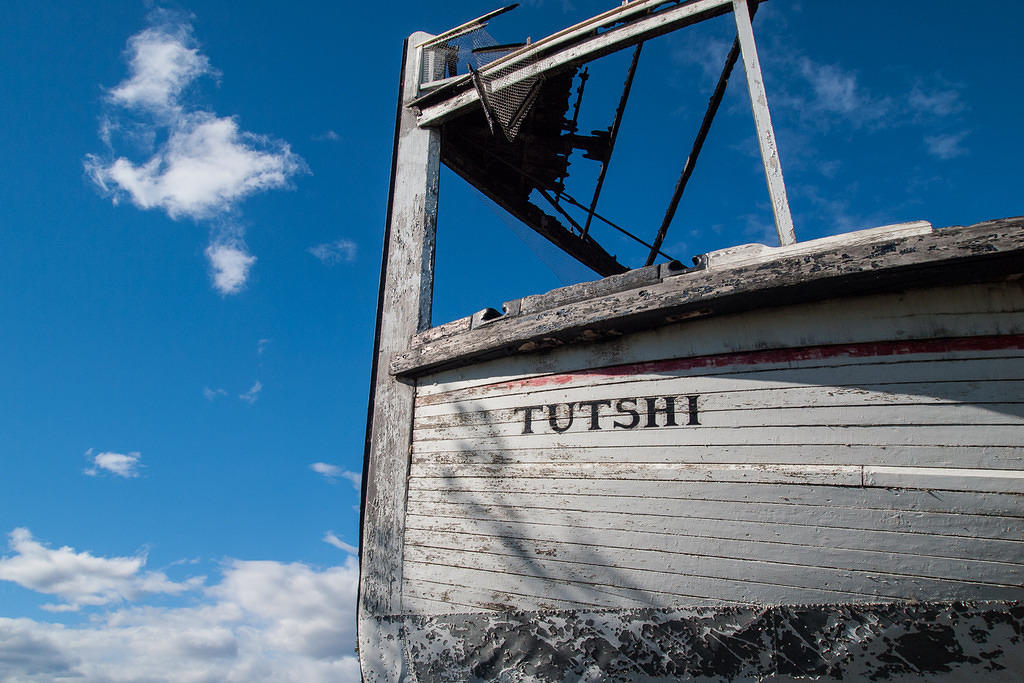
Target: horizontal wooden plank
[(564, 581), (1005, 457), (523, 591), (689, 497), (618, 425), (962, 380), (792, 563), (754, 435), (830, 528), (785, 583), (1001, 481), (439, 597), (751, 394), (838, 372), (831, 475)]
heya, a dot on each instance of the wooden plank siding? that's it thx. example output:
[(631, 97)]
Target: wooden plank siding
[(855, 472)]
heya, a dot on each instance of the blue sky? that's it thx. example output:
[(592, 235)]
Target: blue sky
[(191, 216)]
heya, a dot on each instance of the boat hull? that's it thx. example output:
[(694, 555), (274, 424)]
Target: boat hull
[(825, 487)]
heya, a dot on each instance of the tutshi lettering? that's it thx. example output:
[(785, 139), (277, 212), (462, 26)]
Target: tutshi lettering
[(628, 413)]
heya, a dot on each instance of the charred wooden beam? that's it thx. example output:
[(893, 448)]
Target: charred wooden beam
[(508, 172)]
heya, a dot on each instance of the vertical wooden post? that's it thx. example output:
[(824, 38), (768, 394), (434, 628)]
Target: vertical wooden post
[(763, 123), (403, 309)]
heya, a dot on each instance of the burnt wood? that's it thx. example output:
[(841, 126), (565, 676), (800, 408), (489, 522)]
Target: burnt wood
[(507, 172)]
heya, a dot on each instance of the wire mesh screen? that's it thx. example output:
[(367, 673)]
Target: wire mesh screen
[(509, 102), (452, 56), (472, 50)]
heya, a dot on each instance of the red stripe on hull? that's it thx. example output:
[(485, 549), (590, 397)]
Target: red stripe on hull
[(806, 353)]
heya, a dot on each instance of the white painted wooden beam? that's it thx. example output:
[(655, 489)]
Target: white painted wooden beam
[(763, 122), (572, 47), (403, 309)]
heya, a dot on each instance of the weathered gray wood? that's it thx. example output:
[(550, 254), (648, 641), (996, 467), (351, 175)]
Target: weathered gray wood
[(573, 46), (996, 435), (745, 254), (763, 123), (740, 391), (855, 405), (781, 527), (976, 457), (620, 555), (935, 532), (729, 372), (758, 501), (978, 310), (986, 252), (718, 412), (403, 310), (748, 581), (428, 597)]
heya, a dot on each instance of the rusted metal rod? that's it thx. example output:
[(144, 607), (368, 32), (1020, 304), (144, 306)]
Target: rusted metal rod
[(614, 134), (691, 160)]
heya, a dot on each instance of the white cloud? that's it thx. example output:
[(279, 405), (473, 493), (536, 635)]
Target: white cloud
[(229, 267), (122, 464), (196, 164), (331, 253), (946, 146), (332, 473), (261, 346), (163, 62), (253, 393), (264, 621), (331, 538), (80, 578), (326, 469), (203, 169)]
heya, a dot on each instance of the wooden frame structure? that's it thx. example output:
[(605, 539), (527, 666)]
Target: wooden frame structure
[(626, 26), (406, 286), (479, 556)]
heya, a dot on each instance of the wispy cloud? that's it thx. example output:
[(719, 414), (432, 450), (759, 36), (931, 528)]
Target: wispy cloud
[(946, 146), (80, 578), (196, 164), (331, 253), (327, 136), (332, 539), (261, 346), (122, 464), (940, 102), (253, 393), (332, 473), (709, 54), (210, 394), (262, 621)]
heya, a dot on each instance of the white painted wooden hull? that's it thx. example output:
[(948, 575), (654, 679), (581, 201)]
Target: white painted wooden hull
[(883, 467), (848, 468)]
